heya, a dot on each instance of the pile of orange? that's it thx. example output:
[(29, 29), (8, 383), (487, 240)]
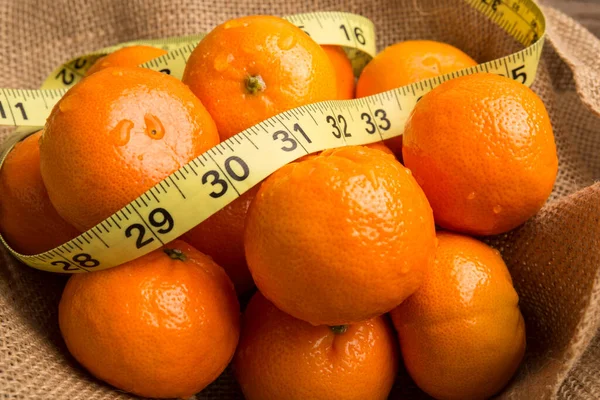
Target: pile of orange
[(352, 276)]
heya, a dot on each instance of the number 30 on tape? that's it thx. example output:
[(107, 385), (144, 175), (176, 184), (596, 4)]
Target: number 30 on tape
[(214, 179)]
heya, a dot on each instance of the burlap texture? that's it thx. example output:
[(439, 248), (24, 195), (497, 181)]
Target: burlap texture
[(554, 258)]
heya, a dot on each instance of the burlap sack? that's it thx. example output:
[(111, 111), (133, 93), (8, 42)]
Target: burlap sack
[(554, 258)]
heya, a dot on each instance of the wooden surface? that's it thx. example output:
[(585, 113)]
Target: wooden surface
[(586, 12)]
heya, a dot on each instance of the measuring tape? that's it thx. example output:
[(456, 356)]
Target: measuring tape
[(220, 175), (22, 107), (71, 72)]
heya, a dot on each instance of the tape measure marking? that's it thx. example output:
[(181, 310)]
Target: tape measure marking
[(59, 78), (224, 172), (74, 70), (352, 31)]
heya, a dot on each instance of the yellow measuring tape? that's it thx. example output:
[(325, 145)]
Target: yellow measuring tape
[(74, 70), (22, 107), (224, 172)]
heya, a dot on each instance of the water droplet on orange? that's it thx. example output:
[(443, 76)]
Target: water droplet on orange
[(68, 103), (432, 63), (117, 73), (286, 42), (154, 128), (121, 133), (404, 268), (471, 196), (497, 209), (222, 61), (234, 24)]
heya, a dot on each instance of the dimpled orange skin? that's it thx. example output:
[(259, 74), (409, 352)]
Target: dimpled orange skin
[(295, 71), (461, 334), (343, 71), (375, 145), (222, 237), (482, 149), (28, 221), (380, 146), (155, 326), (340, 237), (131, 56), (407, 62), (116, 134), (281, 357)]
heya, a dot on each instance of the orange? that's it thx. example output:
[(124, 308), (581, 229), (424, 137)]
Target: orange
[(343, 71), (131, 56), (461, 334), (482, 149), (251, 68), (375, 145), (116, 134), (281, 357), (163, 325), (340, 237), (222, 237), (407, 62), (380, 146), (28, 221)]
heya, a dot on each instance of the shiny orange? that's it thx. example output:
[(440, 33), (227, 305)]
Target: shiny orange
[(222, 237), (251, 68), (116, 134), (340, 237), (408, 62), (281, 357), (343, 71), (461, 334), (131, 56), (28, 221), (163, 325), (482, 149), (380, 146), (375, 145)]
